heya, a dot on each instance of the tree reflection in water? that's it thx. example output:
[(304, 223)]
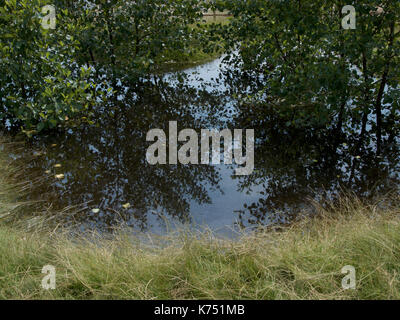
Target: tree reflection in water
[(105, 164)]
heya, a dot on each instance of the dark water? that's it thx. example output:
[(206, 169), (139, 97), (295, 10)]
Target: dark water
[(105, 168)]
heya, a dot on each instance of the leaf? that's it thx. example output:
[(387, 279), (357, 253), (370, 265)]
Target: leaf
[(126, 206), (40, 126)]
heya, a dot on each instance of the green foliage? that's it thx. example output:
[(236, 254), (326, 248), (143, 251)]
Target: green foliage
[(314, 73), (42, 85), (306, 66), (125, 39), (52, 77)]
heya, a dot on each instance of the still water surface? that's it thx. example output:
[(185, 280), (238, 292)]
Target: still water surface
[(105, 166)]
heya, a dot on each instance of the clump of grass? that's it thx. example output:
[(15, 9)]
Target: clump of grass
[(302, 261), (17, 206), (10, 189)]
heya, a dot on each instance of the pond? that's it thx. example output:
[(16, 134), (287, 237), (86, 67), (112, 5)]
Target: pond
[(101, 174)]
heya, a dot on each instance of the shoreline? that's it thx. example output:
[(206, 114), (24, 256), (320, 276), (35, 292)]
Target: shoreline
[(301, 261)]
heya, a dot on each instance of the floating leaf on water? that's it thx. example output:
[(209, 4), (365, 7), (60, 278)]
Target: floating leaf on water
[(126, 205), (60, 176), (57, 165)]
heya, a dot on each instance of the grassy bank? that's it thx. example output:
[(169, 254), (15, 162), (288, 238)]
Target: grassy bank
[(300, 262), (194, 55), (303, 262)]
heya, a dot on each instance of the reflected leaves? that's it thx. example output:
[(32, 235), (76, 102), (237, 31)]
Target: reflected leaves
[(105, 165)]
